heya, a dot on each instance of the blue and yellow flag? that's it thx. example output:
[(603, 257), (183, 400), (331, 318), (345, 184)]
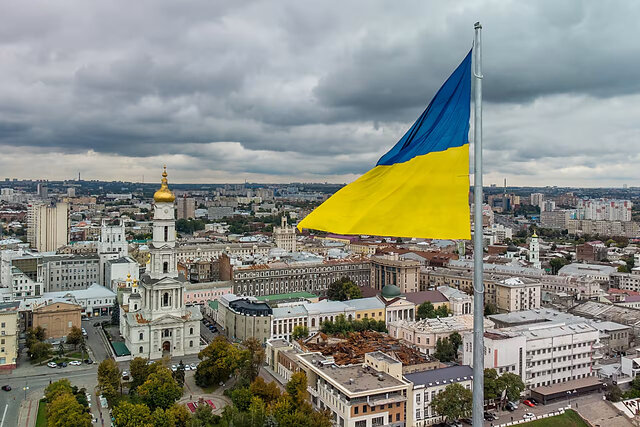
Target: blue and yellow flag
[(420, 188)]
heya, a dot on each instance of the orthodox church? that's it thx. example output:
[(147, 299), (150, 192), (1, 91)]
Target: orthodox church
[(154, 320)]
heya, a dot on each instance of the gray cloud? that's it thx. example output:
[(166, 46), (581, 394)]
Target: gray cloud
[(290, 90)]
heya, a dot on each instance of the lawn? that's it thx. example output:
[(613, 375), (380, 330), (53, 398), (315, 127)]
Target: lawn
[(568, 419), (41, 420)]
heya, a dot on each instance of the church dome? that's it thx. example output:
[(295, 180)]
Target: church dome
[(391, 291), (164, 195)]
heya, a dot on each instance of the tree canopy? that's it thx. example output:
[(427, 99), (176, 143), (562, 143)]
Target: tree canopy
[(300, 332), (160, 390), (342, 326), (427, 311), (453, 403), (109, 378), (220, 360), (75, 336), (343, 289)]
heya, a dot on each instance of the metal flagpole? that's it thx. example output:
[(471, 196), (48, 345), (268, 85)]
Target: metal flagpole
[(478, 273)]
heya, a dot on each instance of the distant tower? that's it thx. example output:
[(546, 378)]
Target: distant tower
[(534, 251), (285, 236)]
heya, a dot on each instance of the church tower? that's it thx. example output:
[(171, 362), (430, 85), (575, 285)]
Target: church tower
[(534, 251), (163, 261)]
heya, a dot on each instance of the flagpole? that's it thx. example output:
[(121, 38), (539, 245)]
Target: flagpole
[(478, 273)]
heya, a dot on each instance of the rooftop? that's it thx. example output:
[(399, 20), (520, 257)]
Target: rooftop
[(292, 295), (423, 296), (371, 303), (514, 282), (449, 375)]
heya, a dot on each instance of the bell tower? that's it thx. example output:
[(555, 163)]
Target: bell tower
[(163, 262)]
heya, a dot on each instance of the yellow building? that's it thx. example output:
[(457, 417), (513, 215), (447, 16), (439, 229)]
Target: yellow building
[(57, 318), (367, 308), (8, 334)]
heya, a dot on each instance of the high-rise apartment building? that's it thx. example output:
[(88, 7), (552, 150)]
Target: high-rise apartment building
[(605, 209), (47, 226), (186, 207), (537, 199)]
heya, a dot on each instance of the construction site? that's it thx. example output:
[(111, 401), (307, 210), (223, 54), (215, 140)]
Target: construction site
[(351, 350)]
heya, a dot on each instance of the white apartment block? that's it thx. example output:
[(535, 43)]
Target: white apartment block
[(537, 199), (605, 209), (517, 294), (626, 281), (47, 226), (555, 352), (69, 272), (212, 251), (504, 351)]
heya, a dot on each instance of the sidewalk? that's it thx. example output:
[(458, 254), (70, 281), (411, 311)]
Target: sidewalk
[(29, 410)]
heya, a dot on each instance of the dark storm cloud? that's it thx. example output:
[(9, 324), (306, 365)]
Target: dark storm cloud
[(316, 90)]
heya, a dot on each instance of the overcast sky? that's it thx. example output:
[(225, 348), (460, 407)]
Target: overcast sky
[(281, 91)]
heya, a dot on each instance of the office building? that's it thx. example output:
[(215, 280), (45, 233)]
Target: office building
[(389, 269), (285, 236), (242, 318), (517, 293), (186, 207)]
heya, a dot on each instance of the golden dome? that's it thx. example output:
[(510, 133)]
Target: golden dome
[(164, 195)]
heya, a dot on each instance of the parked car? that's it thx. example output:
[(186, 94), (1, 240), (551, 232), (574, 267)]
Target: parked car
[(187, 367), (125, 375), (88, 361), (75, 363), (510, 407), (174, 368), (534, 401), (514, 404), (454, 424), (194, 366), (6, 387), (489, 416), (62, 365), (211, 327), (528, 403), (528, 416), (84, 332), (52, 364)]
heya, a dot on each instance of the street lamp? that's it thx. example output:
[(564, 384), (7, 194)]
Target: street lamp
[(25, 388), (569, 393)]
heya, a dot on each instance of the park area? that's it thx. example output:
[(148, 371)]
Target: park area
[(568, 419)]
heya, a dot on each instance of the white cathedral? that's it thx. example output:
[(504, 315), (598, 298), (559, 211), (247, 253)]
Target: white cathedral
[(154, 320)]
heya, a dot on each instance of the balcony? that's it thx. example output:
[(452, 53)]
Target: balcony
[(312, 391)]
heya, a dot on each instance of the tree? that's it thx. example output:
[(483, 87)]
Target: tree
[(75, 336), (297, 388), (204, 417), (178, 415), (614, 394), (426, 311), (109, 378), (61, 349), (300, 332), (512, 383), (442, 311), (257, 411), (456, 340), (453, 403), (557, 263), (56, 389), (178, 375), (343, 289), (36, 335), (490, 309), (115, 313), (256, 358), (138, 372), (220, 360), (444, 350), (160, 390), (132, 415), (65, 411), (267, 392), (241, 398), (40, 350), (491, 389)]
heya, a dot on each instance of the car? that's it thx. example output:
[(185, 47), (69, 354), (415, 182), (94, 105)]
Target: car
[(193, 366), (52, 364), (528, 403), (509, 407), (125, 375), (174, 368), (75, 363), (528, 416), (489, 416), (6, 387), (454, 424), (214, 329), (514, 404), (211, 327), (88, 361), (187, 367), (62, 365), (534, 401)]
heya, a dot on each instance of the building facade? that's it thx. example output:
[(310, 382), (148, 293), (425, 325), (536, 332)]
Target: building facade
[(47, 226), (8, 334), (285, 236), (517, 293), (391, 270)]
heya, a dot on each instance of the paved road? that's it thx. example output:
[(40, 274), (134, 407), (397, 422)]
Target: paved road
[(94, 342)]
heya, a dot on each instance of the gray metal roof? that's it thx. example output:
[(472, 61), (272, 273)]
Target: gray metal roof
[(452, 374)]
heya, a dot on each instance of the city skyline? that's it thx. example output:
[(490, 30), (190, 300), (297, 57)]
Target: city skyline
[(279, 93)]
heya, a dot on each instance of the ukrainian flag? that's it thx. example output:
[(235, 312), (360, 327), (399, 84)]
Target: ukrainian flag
[(420, 188)]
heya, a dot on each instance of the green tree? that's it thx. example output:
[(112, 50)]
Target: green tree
[(512, 383), (426, 311), (343, 289), (442, 311), (557, 263), (40, 350), (614, 393), (491, 389), (178, 415), (65, 411), (268, 392), (115, 313), (160, 390), (297, 388), (56, 389), (453, 403), (241, 398), (138, 372), (220, 360), (257, 412), (456, 340), (256, 358), (75, 336), (132, 415), (61, 349), (36, 335), (109, 378), (159, 418), (490, 309), (444, 350), (204, 417), (178, 375), (300, 332)]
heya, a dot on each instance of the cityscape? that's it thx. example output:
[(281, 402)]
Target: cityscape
[(278, 214)]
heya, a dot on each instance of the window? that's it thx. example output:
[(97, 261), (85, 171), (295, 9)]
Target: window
[(191, 343), (364, 409), (378, 421), (362, 423), (398, 416), (165, 267), (141, 349), (190, 331), (356, 409), (165, 298), (141, 336), (166, 233)]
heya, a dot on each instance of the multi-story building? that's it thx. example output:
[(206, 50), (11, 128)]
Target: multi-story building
[(8, 334), (426, 385), (537, 199), (69, 272), (517, 293), (555, 352), (210, 251), (285, 236), (424, 334), (56, 316), (601, 273), (591, 251), (389, 269), (626, 281), (604, 209), (200, 270), (185, 207), (286, 277), (557, 220), (201, 293), (359, 395), (95, 301), (504, 351), (242, 318), (47, 226)]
